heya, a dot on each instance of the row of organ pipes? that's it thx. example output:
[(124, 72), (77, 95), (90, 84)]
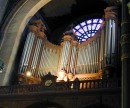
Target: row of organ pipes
[(70, 60)]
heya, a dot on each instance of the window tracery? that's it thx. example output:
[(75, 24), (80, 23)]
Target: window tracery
[(87, 29)]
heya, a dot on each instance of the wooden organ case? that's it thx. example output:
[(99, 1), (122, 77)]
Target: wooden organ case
[(89, 60)]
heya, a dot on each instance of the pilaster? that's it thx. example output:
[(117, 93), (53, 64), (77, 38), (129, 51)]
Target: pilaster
[(125, 58)]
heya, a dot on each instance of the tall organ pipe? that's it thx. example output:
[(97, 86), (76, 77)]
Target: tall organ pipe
[(41, 41), (65, 52), (35, 56), (110, 52), (28, 48), (26, 51), (73, 57)]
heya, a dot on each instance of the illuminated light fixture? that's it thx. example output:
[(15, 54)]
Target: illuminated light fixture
[(28, 74), (61, 75)]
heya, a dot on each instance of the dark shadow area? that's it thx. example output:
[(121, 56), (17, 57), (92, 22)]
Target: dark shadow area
[(45, 105), (98, 105)]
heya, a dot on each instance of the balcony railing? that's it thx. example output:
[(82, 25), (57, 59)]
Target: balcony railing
[(60, 86)]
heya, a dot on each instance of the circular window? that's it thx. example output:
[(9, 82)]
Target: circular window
[(87, 29)]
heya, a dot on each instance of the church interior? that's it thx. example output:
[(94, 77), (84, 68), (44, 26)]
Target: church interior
[(64, 53)]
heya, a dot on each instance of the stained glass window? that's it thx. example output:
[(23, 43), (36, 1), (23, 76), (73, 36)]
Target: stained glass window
[(87, 29)]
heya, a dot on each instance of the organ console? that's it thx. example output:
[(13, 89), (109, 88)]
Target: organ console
[(70, 60)]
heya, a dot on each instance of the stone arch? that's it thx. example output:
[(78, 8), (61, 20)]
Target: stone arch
[(12, 35)]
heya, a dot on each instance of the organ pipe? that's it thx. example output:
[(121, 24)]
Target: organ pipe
[(73, 57), (110, 52), (88, 58), (65, 53)]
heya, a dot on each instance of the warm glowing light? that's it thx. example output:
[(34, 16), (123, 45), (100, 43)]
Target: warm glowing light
[(61, 75), (70, 76), (28, 74)]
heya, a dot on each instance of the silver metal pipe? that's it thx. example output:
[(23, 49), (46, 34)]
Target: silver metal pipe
[(94, 55), (87, 59), (42, 63), (79, 60), (97, 56), (25, 49), (63, 55), (113, 36), (84, 60), (36, 55), (30, 45), (34, 60)]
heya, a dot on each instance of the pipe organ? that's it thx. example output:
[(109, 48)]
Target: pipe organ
[(39, 55), (70, 60)]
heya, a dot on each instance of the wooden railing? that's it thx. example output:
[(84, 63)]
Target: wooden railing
[(59, 86)]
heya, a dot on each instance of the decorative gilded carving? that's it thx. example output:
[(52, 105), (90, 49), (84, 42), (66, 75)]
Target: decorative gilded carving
[(41, 34), (90, 76), (67, 38), (103, 24), (110, 12), (50, 45), (33, 28), (62, 43), (38, 28), (74, 43)]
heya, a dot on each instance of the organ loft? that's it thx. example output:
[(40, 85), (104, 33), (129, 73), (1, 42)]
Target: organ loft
[(64, 53), (95, 58)]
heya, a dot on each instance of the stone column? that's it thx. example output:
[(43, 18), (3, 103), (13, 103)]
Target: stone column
[(125, 48), (129, 7)]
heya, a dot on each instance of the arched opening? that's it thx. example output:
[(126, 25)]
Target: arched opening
[(12, 35), (86, 29)]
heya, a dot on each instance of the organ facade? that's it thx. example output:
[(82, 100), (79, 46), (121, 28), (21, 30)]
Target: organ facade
[(90, 60)]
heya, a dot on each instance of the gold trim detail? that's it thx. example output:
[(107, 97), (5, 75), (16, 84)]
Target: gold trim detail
[(89, 76), (67, 38), (110, 12)]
